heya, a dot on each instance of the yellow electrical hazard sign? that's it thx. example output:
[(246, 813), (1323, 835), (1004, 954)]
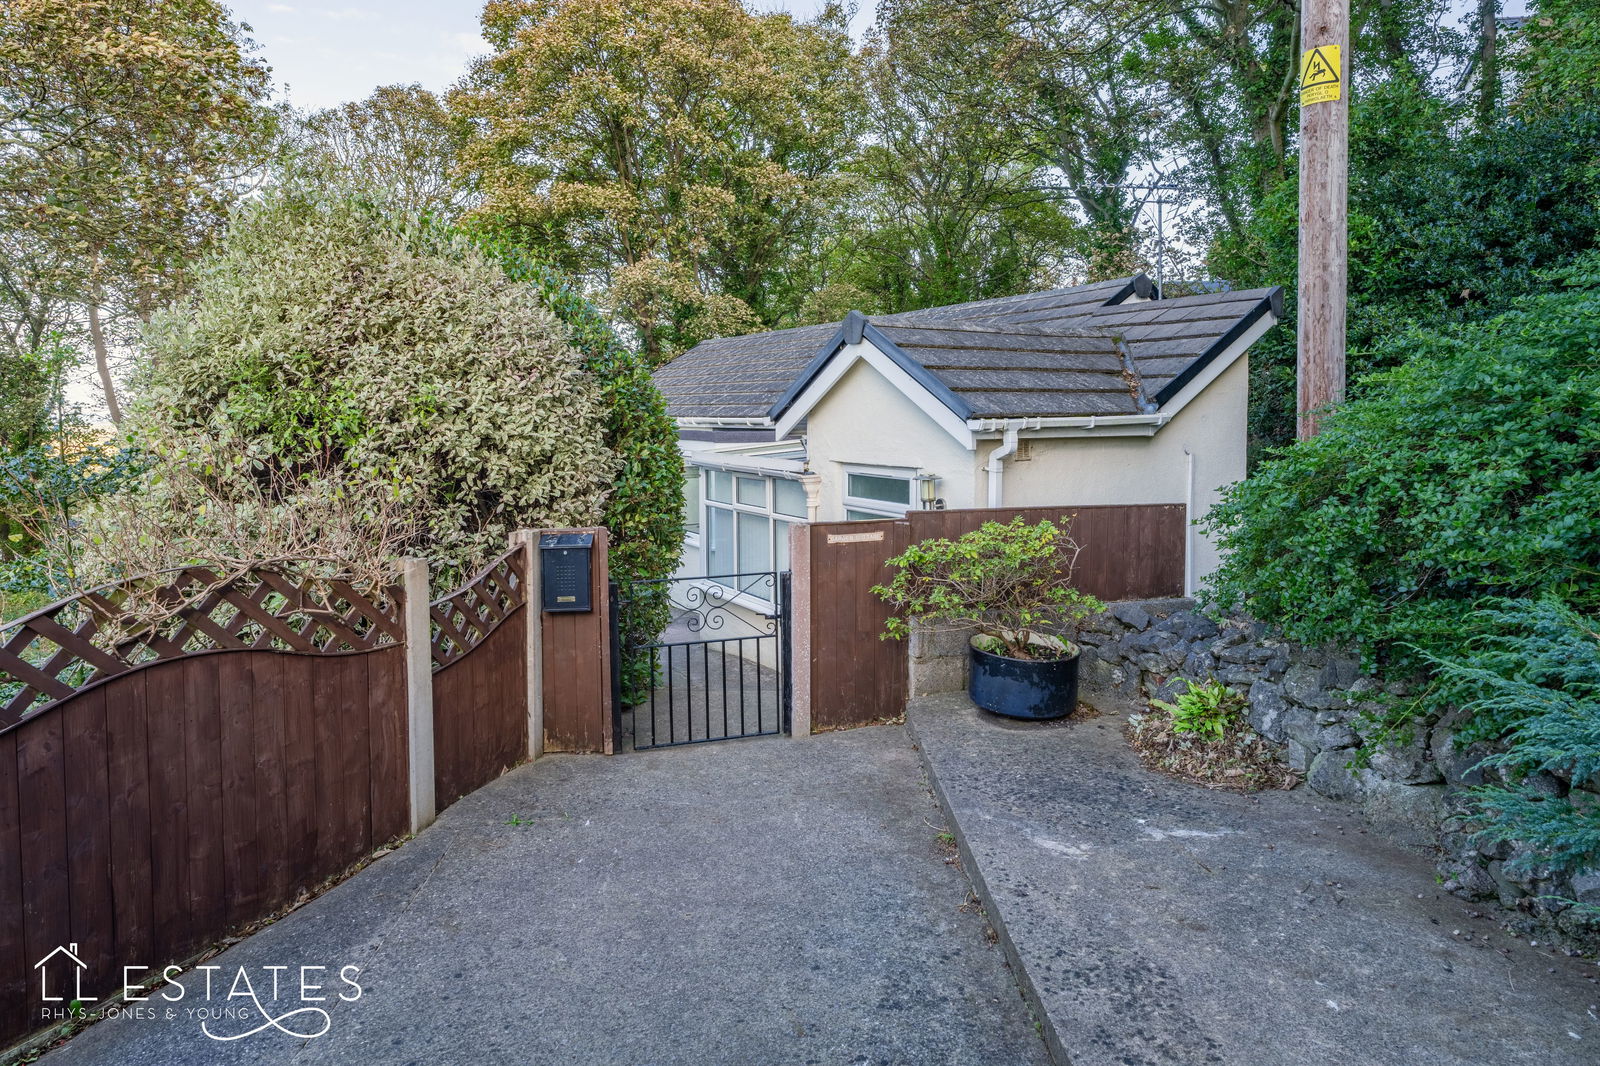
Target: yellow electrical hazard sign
[(1319, 74)]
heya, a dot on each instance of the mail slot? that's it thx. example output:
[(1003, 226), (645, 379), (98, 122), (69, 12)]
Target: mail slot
[(564, 571)]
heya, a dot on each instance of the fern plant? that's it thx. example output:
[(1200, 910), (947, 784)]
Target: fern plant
[(1205, 710)]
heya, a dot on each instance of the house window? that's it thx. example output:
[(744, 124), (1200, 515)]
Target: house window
[(747, 523), (691, 502), (872, 492)]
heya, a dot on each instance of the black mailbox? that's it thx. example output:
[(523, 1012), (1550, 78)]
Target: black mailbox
[(564, 575)]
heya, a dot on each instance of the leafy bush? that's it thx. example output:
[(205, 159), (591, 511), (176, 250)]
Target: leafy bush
[(644, 513), (1204, 709), (1534, 683), (1004, 581), (1472, 470), (384, 366)]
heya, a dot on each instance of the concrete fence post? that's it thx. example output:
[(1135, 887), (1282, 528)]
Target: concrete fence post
[(534, 648), (800, 630), (419, 692)]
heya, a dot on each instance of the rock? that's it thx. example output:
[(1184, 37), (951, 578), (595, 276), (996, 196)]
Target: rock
[(1409, 814), (1237, 674), (1304, 656), (1095, 638), (1332, 778), (1509, 891), (1298, 756), (1408, 763), (1544, 783), (1098, 673), (1460, 766), (1275, 667), (1191, 626), (1267, 708), (1199, 664), (1341, 672), (1170, 689), (1330, 737), (1147, 641), (1472, 881), (1175, 656), (1302, 684), (1131, 614), (1301, 724), (1229, 638)]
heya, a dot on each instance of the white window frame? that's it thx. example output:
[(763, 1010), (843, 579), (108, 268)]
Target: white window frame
[(692, 537), (879, 508), (773, 517)]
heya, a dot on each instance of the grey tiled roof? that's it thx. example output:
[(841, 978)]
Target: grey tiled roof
[(1075, 351)]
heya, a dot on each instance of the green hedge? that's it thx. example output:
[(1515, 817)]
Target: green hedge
[(1470, 471)]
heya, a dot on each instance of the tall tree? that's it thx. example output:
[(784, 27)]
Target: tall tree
[(948, 209), (125, 128), (400, 146), (677, 154)]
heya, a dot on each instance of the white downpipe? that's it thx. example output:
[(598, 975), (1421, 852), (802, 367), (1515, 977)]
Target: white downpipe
[(997, 464), (813, 486), (1188, 524)]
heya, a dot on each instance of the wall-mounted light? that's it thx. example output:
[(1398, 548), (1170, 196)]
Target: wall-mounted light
[(928, 487)]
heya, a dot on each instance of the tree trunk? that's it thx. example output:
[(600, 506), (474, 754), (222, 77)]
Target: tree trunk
[(1488, 62), (102, 364)]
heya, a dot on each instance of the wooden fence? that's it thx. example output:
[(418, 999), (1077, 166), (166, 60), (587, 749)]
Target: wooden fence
[(480, 679), (164, 782), (845, 675)]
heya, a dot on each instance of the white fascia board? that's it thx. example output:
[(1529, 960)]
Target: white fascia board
[(1222, 362), (865, 351)]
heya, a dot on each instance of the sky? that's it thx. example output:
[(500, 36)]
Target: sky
[(326, 53)]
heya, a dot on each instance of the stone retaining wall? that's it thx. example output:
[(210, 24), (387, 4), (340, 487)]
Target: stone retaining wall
[(1309, 700)]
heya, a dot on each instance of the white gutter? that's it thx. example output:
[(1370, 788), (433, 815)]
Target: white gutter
[(1084, 422), (997, 463)]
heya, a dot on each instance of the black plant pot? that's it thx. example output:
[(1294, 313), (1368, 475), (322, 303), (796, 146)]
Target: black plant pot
[(1036, 689)]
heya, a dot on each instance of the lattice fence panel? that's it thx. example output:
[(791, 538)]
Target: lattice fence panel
[(96, 635), (462, 619)]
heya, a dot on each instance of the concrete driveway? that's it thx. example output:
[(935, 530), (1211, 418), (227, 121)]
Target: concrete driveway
[(753, 902)]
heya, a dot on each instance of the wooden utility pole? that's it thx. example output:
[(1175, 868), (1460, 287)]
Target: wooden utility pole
[(1324, 186)]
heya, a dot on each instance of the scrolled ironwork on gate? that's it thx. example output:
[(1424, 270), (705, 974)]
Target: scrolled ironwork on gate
[(719, 670)]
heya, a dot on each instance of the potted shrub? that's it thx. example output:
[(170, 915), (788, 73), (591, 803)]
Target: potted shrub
[(1011, 586)]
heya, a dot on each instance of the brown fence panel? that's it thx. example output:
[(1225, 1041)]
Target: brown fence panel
[(480, 678), (164, 781), (856, 678), (1130, 551), (480, 721), (146, 816)]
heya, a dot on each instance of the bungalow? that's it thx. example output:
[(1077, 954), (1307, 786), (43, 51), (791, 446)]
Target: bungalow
[(1094, 394)]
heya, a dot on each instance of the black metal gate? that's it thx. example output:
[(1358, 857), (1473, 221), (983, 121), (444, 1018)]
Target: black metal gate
[(700, 659)]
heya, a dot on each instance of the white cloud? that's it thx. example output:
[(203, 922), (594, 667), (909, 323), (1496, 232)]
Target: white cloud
[(282, 9)]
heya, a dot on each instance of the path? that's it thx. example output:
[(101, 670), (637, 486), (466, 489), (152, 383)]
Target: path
[(1158, 922), (755, 902)]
